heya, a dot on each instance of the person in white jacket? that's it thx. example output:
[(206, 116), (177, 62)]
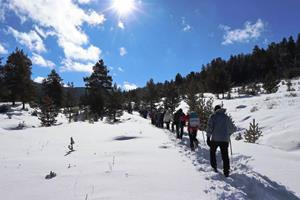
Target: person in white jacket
[(167, 118)]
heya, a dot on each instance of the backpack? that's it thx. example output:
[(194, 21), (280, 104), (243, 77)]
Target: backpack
[(194, 120)]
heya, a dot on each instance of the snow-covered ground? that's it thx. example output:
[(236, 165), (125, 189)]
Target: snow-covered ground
[(134, 160)]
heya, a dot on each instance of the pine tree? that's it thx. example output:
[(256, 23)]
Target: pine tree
[(218, 79), (253, 133), (270, 83), (289, 85), (3, 90), (48, 112), (69, 102), (152, 94), (114, 107), (52, 87), (204, 108), (191, 95), (172, 98), (98, 86), (297, 56), (18, 77)]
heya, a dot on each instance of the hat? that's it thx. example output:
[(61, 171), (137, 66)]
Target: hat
[(217, 107)]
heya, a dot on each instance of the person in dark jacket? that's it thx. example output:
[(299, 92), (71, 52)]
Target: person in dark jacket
[(177, 121), (219, 129)]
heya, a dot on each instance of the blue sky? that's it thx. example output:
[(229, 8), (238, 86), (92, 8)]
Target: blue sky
[(155, 39)]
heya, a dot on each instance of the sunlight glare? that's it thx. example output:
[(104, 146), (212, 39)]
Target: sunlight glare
[(123, 7)]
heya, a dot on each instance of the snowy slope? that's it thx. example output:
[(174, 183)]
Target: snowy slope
[(277, 114), (129, 160), (134, 160)]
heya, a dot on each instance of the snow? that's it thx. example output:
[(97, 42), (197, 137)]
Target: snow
[(135, 160)]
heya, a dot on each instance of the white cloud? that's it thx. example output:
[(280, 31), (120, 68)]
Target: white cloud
[(2, 11), (76, 52), (248, 33), (120, 69), (3, 50), (121, 25), (39, 60), (123, 51), (64, 19), (31, 40), (94, 18), (39, 79), (129, 86), (70, 65), (83, 1), (186, 26)]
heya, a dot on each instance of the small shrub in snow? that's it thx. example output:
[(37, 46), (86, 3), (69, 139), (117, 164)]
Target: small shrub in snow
[(239, 137), (21, 125), (254, 109), (291, 94), (4, 109), (34, 113), (271, 105), (253, 133), (289, 85), (50, 175), (70, 146)]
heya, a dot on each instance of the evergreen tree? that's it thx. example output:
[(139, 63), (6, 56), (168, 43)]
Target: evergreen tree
[(98, 85), (114, 107), (191, 95), (3, 91), (218, 80), (204, 109), (253, 133), (18, 77), (69, 102), (48, 113), (289, 85), (152, 94), (270, 83), (297, 56), (52, 87), (172, 98)]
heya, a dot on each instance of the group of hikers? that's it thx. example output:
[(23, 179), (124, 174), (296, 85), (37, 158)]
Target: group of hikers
[(219, 129)]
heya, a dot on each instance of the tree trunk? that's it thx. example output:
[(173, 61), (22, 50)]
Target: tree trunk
[(23, 108)]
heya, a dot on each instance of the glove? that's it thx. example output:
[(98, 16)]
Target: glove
[(208, 141)]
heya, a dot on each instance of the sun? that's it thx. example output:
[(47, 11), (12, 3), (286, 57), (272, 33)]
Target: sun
[(123, 7)]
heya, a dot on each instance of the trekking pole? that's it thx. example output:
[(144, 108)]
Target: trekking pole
[(203, 137), (230, 146)]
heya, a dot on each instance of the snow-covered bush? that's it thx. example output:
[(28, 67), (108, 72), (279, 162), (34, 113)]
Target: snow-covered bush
[(271, 105), (291, 94), (253, 133), (254, 109)]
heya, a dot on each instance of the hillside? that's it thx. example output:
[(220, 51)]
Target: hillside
[(134, 160)]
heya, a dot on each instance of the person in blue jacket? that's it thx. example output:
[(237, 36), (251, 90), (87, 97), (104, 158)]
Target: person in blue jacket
[(219, 129)]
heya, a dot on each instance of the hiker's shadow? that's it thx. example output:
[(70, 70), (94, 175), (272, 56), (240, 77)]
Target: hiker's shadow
[(69, 152), (255, 186)]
